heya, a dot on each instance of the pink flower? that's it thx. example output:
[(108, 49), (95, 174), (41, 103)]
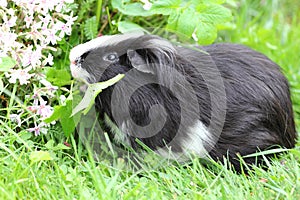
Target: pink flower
[(21, 74), (38, 129), (51, 37), (8, 38), (35, 58), (44, 110), (11, 22), (28, 20), (25, 58)]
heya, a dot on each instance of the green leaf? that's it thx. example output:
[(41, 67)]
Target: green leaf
[(165, 7), (200, 17), (206, 33), (173, 21), (50, 145), (24, 135), (127, 26), (37, 156), (55, 115), (132, 9), (58, 77), (187, 22), (92, 92), (90, 28), (68, 123), (63, 113), (7, 63), (214, 14)]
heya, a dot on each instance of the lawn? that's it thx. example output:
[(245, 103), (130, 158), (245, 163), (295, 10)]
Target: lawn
[(60, 172)]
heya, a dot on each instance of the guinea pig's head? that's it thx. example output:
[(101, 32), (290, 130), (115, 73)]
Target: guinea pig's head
[(104, 57)]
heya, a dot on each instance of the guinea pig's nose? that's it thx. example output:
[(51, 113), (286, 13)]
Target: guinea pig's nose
[(73, 69)]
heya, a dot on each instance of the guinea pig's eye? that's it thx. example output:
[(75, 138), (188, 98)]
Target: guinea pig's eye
[(111, 57)]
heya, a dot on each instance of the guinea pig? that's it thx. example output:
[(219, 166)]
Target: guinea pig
[(219, 101)]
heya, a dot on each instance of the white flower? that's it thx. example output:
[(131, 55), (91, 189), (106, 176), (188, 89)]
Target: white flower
[(45, 82), (44, 110), (8, 39), (25, 58), (16, 118), (28, 20), (69, 1), (11, 22), (38, 129), (29, 40), (147, 5), (51, 37), (62, 99), (21, 74), (3, 3), (48, 60), (70, 19), (35, 58)]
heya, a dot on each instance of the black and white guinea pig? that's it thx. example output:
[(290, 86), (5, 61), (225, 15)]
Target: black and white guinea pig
[(219, 100)]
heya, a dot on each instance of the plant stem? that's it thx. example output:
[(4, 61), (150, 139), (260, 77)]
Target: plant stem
[(98, 12)]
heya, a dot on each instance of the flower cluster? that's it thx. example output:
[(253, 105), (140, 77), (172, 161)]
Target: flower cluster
[(28, 31)]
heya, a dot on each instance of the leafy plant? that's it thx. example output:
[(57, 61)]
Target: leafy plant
[(90, 28), (199, 20), (70, 116)]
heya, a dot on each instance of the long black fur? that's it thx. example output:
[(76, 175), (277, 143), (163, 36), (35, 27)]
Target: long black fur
[(259, 113)]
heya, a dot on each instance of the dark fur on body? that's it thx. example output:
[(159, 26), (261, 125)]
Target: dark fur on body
[(259, 112)]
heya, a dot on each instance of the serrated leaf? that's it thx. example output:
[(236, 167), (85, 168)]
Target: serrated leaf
[(187, 22), (215, 14), (92, 92), (90, 28), (127, 26), (206, 33), (172, 21), (165, 7), (132, 9), (58, 77), (6, 63), (37, 156)]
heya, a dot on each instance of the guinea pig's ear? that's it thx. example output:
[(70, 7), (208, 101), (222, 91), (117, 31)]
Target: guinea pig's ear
[(138, 62)]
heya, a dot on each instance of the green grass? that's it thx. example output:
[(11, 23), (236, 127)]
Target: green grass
[(73, 174)]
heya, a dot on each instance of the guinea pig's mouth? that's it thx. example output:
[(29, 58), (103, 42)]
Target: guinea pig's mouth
[(79, 73)]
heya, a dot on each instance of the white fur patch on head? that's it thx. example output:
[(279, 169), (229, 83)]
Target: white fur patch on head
[(77, 71), (99, 42)]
